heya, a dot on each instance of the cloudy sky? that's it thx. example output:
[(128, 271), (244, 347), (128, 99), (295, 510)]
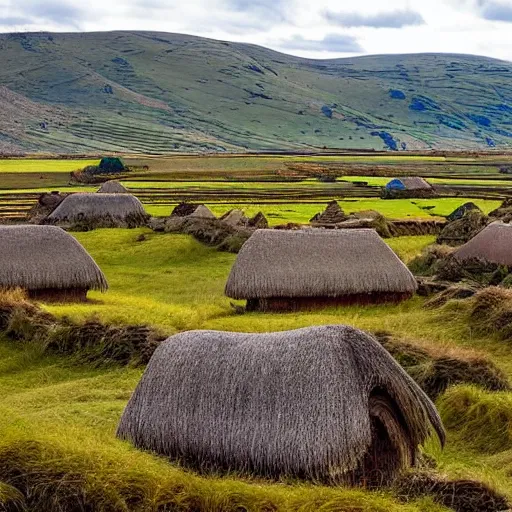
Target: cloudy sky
[(319, 28)]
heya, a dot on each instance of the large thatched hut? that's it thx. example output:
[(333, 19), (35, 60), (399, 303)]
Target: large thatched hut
[(99, 210), (493, 244), (48, 263), (301, 269), (321, 403), (112, 187)]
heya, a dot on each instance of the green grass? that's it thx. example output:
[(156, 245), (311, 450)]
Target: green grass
[(175, 283), (279, 213), (25, 165)]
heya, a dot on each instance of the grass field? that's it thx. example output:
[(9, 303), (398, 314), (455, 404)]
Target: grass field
[(26, 165), (174, 283)]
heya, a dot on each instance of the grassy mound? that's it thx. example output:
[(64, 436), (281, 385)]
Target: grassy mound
[(50, 477), (435, 371), (459, 495), (491, 312), (454, 292), (92, 342), (427, 264), (482, 420)]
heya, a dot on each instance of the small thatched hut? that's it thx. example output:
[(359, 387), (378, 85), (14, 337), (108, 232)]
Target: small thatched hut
[(333, 214), (202, 212), (322, 403), (301, 269), (409, 183), (413, 186), (99, 210), (493, 244), (47, 262), (112, 187)]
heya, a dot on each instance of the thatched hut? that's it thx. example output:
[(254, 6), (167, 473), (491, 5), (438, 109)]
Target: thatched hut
[(323, 403), (302, 269), (235, 218), (409, 183), (112, 187), (412, 186), (48, 263), (493, 244), (333, 214), (99, 210), (202, 212)]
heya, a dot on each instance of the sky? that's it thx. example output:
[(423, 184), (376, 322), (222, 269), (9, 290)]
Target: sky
[(316, 29)]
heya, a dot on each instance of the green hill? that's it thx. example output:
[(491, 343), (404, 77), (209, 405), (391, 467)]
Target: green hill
[(156, 92)]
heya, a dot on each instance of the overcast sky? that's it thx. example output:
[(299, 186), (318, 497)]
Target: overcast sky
[(311, 28)]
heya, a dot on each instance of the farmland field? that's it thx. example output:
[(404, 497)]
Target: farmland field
[(58, 415)]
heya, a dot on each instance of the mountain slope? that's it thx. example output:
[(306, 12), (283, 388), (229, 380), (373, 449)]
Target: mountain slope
[(155, 92)]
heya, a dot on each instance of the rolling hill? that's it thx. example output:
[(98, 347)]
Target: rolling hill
[(157, 93)]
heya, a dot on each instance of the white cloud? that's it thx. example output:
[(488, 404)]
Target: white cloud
[(293, 26)]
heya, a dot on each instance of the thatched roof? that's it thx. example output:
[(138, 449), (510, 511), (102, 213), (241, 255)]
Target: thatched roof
[(203, 212), (42, 257), (112, 187), (492, 244), (84, 207), (316, 263), (332, 214), (235, 217), (296, 403), (414, 183)]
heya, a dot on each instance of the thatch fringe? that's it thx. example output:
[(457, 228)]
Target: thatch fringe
[(45, 257), (99, 210), (316, 263), (321, 403)]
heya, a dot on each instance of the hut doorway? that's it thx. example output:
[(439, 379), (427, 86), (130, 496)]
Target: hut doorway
[(391, 449)]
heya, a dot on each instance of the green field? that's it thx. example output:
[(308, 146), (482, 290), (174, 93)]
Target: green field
[(26, 165), (175, 283)]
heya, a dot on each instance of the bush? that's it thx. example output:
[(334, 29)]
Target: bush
[(111, 165), (480, 419)]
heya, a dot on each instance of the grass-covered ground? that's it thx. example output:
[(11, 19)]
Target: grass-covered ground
[(58, 420)]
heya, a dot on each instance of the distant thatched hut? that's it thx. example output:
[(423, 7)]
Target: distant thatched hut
[(323, 403), (47, 262), (202, 212), (99, 210), (333, 214), (112, 187), (412, 186), (301, 269), (493, 244)]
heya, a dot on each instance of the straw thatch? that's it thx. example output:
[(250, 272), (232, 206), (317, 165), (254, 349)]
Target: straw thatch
[(332, 214), (493, 244), (412, 183), (278, 268), (100, 210), (462, 210), (322, 403), (47, 261), (235, 217), (112, 187)]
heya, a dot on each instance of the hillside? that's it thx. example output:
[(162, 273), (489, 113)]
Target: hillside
[(157, 93)]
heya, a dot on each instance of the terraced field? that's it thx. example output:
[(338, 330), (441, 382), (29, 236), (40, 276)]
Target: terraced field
[(287, 188)]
